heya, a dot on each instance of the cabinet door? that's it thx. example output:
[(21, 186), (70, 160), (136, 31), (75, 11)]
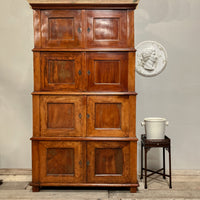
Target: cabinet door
[(107, 71), (61, 162), (61, 71), (62, 115), (108, 116), (106, 28), (61, 28), (108, 162)]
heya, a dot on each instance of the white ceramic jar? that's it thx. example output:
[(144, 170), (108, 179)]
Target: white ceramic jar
[(155, 127)]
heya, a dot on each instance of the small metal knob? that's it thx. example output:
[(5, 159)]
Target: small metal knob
[(88, 116), (88, 29), (79, 29), (88, 72), (80, 72)]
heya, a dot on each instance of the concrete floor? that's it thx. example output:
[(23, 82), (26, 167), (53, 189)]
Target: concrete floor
[(185, 185)]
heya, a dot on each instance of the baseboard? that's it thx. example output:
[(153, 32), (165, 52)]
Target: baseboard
[(13, 171)]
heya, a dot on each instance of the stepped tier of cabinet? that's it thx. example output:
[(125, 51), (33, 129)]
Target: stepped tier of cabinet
[(85, 71), (84, 99), (75, 29)]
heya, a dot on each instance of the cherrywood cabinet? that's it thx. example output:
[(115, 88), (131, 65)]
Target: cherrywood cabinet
[(84, 98)]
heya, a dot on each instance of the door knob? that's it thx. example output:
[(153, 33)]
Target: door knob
[(88, 72), (79, 29), (88, 29), (80, 72), (88, 116)]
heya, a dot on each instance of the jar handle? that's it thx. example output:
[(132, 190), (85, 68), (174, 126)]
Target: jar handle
[(142, 123)]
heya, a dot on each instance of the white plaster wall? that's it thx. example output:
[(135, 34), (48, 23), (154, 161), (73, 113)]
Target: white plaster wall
[(16, 74), (174, 94)]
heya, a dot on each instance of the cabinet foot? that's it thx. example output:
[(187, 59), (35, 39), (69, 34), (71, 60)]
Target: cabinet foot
[(35, 188), (133, 189)]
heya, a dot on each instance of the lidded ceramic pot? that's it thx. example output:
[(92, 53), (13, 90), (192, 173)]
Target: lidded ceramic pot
[(155, 127)]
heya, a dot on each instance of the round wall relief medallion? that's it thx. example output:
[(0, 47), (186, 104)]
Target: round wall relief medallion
[(151, 58)]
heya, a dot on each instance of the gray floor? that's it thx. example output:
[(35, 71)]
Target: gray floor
[(186, 185)]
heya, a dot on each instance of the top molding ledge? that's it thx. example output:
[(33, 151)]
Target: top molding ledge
[(61, 4), (83, 1)]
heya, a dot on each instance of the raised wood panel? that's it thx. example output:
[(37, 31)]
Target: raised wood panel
[(103, 110), (107, 71), (62, 116), (108, 116), (61, 71), (61, 162), (61, 28), (106, 28), (108, 162)]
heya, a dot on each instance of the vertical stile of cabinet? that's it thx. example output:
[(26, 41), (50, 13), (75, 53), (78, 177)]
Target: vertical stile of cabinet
[(84, 99)]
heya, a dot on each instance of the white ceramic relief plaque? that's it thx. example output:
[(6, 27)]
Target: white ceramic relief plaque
[(151, 58)]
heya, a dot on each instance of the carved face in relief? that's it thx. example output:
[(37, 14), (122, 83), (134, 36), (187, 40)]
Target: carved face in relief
[(149, 59)]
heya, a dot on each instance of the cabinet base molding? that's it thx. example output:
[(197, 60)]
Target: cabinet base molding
[(36, 186)]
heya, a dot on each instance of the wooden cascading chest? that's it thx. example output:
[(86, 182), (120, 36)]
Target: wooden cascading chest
[(84, 100)]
